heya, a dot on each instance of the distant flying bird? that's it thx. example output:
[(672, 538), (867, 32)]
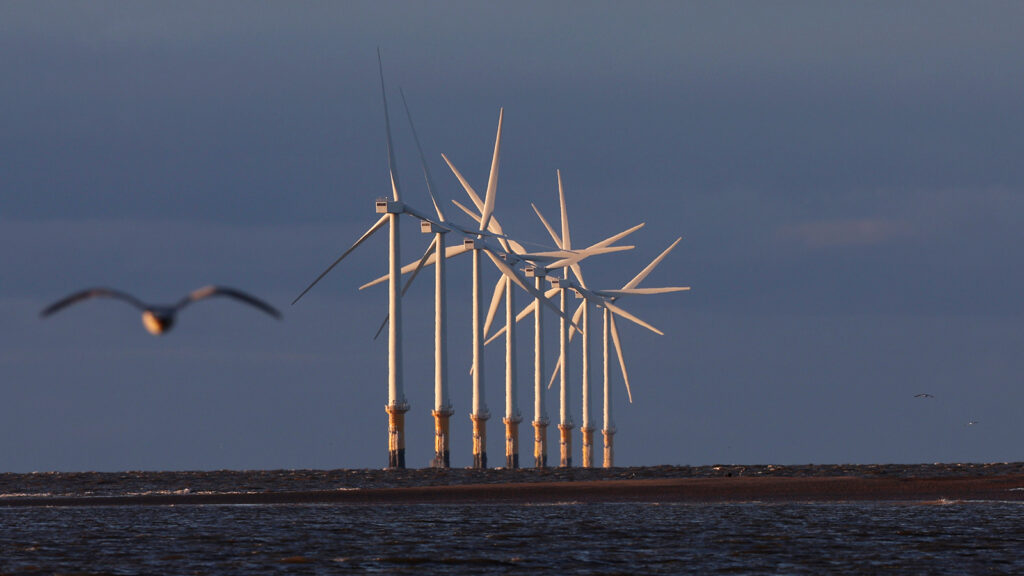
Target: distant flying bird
[(972, 422), (923, 395), (160, 318)]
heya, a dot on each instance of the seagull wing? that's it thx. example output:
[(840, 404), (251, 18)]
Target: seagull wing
[(91, 293), (210, 291)]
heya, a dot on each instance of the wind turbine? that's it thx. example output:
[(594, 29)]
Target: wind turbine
[(442, 402), (397, 404), (605, 299), (509, 249)]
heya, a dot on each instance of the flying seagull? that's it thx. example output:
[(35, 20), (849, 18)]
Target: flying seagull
[(160, 318), (923, 395)]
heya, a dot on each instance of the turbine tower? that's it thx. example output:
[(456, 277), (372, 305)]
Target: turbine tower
[(397, 404), (608, 325), (480, 414)]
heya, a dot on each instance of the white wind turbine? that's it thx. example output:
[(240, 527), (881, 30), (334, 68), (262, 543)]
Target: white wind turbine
[(605, 299), (397, 404), (442, 401)]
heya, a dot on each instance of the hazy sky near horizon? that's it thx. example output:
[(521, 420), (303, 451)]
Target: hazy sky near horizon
[(846, 179)]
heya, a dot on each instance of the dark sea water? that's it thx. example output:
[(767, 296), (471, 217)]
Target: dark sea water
[(936, 537), (751, 538)]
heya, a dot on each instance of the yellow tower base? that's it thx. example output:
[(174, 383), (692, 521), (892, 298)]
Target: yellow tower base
[(512, 442), (540, 444), (588, 447), (479, 441), (396, 435), (441, 436), (565, 435), (609, 449)]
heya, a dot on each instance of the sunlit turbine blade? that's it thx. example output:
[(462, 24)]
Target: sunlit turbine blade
[(374, 228), (578, 255), (618, 352), (511, 274), (613, 239), (423, 160), (544, 221), (554, 375), (566, 240), (643, 291), (419, 265), (494, 228), (618, 310), (465, 185), (449, 252), (522, 314), (392, 166), (499, 291), (643, 273), (492, 181), (576, 318)]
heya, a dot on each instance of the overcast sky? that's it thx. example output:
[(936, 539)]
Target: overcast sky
[(847, 180)]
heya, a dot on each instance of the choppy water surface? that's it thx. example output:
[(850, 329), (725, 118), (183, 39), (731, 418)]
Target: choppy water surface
[(839, 538)]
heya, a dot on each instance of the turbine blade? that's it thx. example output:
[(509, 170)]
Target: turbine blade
[(492, 180), (544, 221), (509, 272), (423, 160), (499, 291), (566, 241), (392, 166), (465, 184), (382, 325), (617, 310), (419, 265), (526, 311), (450, 251), (576, 318), (494, 228), (554, 375), (618, 352), (643, 291), (643, 273), (366, 235), (580, 255), (613, 239)]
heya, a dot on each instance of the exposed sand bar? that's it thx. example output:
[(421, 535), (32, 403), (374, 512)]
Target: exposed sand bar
[(662, 490)]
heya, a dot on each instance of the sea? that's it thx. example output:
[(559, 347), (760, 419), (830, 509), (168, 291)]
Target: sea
[(934, 537)]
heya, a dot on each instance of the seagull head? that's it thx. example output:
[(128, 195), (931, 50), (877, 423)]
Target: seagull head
[(158, 320)]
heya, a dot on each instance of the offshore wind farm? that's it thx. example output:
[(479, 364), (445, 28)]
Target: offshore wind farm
[(507, 254)]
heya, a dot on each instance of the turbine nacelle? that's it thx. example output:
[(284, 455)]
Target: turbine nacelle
[(428, 227), (384, 206), (535, 272)]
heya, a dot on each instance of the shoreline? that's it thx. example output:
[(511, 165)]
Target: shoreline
[(723, 489)]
